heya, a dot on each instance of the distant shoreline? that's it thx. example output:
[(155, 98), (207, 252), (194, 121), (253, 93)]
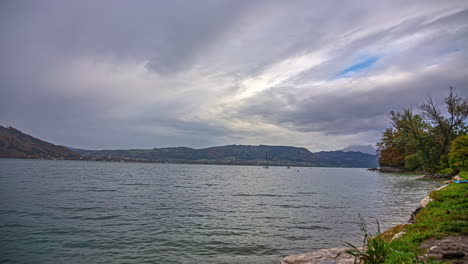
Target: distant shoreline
[(116, 160)]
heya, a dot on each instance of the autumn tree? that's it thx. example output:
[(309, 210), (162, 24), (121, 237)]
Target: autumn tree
[(422, 141)]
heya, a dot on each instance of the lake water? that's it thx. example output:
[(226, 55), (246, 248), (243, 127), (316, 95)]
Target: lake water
[(98, 212)]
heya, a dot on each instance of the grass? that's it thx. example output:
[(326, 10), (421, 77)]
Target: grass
[(446, 215), (374, 248)]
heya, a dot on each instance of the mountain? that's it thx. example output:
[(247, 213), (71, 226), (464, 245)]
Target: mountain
[(16, 144), (231, 154), (369, 149), (348, 159), (242, 155)]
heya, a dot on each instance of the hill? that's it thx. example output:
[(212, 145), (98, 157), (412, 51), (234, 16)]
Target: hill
[(242, 155), (16, 144), (231, 154)]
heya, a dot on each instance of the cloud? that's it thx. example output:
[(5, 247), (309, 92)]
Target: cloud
[(126, 74)]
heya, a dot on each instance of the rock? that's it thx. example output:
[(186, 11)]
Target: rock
[(441, 187), (424, 202), (414, 213), (435, 176), (433, 248), (398, 235), (391, 169), (322, 256), (454, 248), (457, 178), (453, 255)]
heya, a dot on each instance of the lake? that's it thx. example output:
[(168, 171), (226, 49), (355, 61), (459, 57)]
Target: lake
[(108, 212)]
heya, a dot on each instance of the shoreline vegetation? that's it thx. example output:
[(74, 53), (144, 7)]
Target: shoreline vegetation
[(436, 232), (431, 142)]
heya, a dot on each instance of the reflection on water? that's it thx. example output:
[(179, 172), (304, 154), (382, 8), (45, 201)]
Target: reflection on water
[(96, 212)]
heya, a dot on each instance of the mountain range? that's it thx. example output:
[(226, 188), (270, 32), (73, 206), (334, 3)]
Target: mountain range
[(15, 144), (369, 149)]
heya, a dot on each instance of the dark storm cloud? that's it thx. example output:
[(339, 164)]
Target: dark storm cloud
[(167, 34), (108, 74)]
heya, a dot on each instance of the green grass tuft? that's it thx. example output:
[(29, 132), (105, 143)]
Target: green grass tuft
[(446, 215)]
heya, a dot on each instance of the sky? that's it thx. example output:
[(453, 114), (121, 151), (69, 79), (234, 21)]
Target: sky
[(145, 74)]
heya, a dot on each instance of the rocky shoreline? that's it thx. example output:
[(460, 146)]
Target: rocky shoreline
[(328, 256)]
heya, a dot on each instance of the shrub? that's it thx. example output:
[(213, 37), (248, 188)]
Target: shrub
[(374, 248), (412, 162), (458, 156), (448, 171)]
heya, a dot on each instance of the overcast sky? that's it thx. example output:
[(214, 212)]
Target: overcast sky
[(144, 74)]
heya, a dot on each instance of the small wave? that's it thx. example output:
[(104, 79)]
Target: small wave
[(136, 184), (12, 212), (293, 206), (101, 190), (258, 195), (311, 227), (307, 193), (15, 225), (106, 217)]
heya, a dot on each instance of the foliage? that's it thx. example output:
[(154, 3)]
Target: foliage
[(412, 162), (448, 171), (458, 155), (374, 247), (446, 215), (422, 141)]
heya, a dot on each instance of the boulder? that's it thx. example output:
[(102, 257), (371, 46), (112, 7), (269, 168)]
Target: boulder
[(322, 256), (398, 235), (454, 248), (424, 202)]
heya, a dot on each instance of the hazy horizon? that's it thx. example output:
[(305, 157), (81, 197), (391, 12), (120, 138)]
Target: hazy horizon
[(316, 74)]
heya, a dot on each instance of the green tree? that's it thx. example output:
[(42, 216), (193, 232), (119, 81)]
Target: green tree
[(459, 153), (412, 162), (446, 128), (423, 140)]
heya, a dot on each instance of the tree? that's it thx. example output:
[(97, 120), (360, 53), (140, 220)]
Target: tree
[(457, 109), (390, 150), (412, 162), (423, 140), (459, 153)]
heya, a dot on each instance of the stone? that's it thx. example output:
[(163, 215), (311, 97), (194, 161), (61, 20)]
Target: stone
[(322, 256), (424, 202), (435, 176), (452, 248), (398, 235), (453, 255), (441, 187), (414, 213)]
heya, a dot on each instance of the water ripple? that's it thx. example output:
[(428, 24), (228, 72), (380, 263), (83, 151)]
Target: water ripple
[(98, 212)]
